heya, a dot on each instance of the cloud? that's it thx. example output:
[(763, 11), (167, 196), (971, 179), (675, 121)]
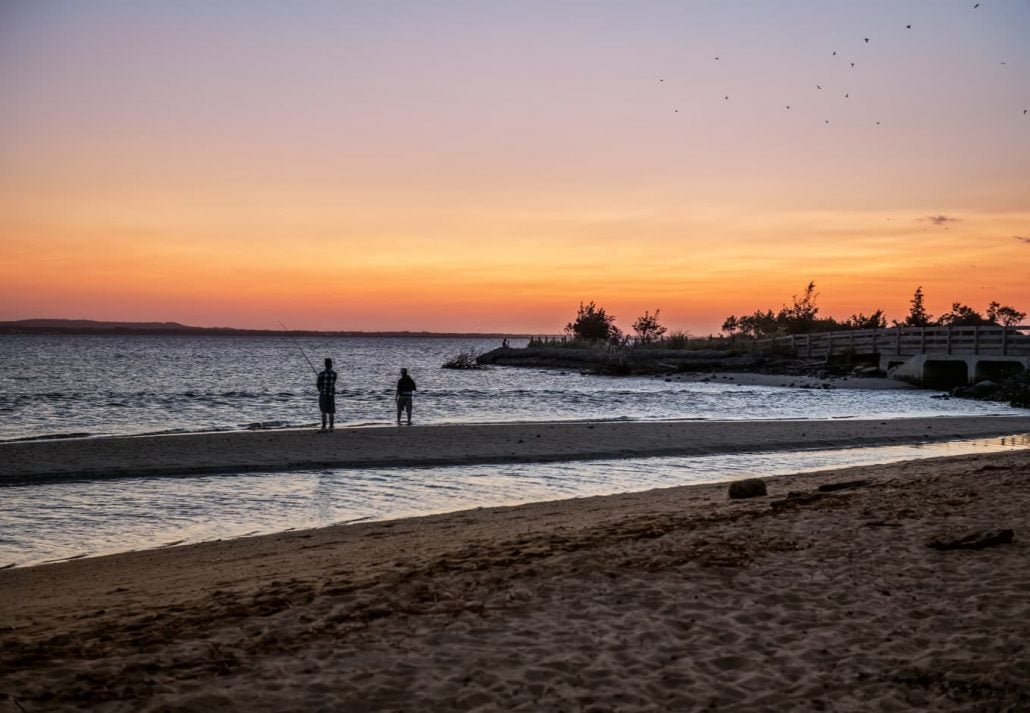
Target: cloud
[(1021, 239), (941, 219)]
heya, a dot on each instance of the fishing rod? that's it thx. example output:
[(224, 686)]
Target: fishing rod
[(304, 353)]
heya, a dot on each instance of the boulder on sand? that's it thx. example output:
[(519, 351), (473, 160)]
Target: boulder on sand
[(750, 488)]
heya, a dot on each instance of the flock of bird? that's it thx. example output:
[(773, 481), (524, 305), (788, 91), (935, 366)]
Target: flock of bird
[(819, 86)]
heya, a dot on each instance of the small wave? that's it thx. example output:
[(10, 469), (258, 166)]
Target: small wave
[(54, 436), (266, 425)]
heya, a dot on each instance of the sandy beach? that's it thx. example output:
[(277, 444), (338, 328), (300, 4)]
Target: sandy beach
[(236, 452), (676, 599)]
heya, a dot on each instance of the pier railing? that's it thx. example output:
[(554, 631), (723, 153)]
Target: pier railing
[(987, 340)]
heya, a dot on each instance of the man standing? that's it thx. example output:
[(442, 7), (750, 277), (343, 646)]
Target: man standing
[(405, 390), (327, 394)]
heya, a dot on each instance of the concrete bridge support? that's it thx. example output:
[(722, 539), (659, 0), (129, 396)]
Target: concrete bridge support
[(944, 370)]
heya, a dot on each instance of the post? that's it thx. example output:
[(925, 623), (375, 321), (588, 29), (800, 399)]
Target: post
[(897, 340), (922, 340), (949, 339), (1004, 341), (976, 340), (875, 335)]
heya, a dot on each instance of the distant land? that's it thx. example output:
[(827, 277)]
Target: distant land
[(89, 326)]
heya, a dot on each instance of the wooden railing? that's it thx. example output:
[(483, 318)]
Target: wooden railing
[(908, 341)]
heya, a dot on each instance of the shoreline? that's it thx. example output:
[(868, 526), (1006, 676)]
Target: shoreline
[(744, 378), (676, 598), (30, 462)]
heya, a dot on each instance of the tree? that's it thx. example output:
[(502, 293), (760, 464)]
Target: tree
[(962, 316), (859, 321), (593, 324), (648, 328), (799, 318), (1004, 315), (757, 325), (917, 315)]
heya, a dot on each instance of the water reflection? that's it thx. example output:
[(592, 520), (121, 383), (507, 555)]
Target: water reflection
[(64, 520)]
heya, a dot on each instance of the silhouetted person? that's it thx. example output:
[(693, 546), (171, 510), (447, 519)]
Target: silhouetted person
[(327, 394), (405, 391)]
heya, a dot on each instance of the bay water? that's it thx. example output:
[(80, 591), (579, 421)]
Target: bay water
[(115, 385), (88, 386)]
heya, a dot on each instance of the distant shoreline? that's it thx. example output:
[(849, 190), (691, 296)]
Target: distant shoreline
[(69, 327)]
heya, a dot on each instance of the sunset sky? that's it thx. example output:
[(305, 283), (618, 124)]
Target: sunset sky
[(486, 166)]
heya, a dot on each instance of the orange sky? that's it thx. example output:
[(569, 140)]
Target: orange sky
[(470, 168)]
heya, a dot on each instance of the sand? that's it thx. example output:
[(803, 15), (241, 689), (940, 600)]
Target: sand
[(675, 599), (238, 452)]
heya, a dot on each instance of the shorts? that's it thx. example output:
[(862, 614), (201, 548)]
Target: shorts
[(327, 402)]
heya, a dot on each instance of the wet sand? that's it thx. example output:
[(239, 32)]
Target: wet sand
[(675, 599), (238, 452)]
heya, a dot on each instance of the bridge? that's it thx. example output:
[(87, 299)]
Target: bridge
[(923, 354)]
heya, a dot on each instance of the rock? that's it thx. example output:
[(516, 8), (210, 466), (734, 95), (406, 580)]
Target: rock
[(750, 488), (973, 540), (985, 384)]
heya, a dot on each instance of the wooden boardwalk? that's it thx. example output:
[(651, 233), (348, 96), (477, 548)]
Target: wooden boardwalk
[(907, 342)]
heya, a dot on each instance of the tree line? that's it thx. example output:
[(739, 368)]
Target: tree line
[(802, 317), (594, 323)]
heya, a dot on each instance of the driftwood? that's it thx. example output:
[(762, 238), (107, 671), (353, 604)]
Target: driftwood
[(973, 540), (843, 485)]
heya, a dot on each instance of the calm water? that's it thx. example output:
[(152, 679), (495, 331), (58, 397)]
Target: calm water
[(129, 385), (65, 520)]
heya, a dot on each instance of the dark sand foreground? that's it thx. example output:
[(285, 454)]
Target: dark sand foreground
[(236, 452), (672, 600)]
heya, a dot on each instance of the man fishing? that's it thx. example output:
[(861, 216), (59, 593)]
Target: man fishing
[(327, 394), (405, 392)]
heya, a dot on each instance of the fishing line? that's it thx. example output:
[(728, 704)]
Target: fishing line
[(304, 353)]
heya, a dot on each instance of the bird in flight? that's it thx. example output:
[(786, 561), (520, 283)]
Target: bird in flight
[(818, 87), (908, 27), (867, 40), (976, 6), (852, 64)]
